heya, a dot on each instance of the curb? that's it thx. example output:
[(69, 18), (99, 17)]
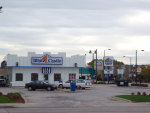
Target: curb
[(121, 99)]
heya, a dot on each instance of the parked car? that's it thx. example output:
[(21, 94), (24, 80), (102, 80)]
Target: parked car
[(40, 85), (122, 82), (2, 83), (81, 84), (88, 82)]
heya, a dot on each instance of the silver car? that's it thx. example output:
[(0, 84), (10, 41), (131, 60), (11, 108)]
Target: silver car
[(80, 84)]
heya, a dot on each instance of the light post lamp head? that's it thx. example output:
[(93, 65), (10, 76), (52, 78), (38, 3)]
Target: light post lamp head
[(0, 8), (109, 49), (90, 51), (95, 51), (142, 50)]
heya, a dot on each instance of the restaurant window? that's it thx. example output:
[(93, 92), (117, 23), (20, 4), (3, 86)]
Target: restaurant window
[(72, 76), (19, 77), (57, 77), (34, 76)]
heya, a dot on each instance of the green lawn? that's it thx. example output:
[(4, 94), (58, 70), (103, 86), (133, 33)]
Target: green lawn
[(135, 98), (4, 99)]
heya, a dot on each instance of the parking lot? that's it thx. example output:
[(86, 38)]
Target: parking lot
[(97, 95)]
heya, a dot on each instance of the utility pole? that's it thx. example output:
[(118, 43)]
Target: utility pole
[(96, 64), (90, 52)]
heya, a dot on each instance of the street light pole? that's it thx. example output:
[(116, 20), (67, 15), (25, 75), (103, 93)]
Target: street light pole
[(96, 64), (1, 8), (106, 50), (136, 63), (129, 65), (92, 62), (95, 52)]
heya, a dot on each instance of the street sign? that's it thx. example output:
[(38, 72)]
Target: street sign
[(120, 71), (108, 71)]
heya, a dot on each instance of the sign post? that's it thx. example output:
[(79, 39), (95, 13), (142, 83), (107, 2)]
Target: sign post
[(108, 74), (108, 62)]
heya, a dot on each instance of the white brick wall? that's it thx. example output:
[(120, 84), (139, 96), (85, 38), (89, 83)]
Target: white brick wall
[(65, 69), (27, 74), (26, 60)]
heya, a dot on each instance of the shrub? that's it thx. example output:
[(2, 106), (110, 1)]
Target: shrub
[(132, 94), (138, 93), (1, 93), (11, 94), (144, 94), (101, 82), (16, 96), (143, 85)]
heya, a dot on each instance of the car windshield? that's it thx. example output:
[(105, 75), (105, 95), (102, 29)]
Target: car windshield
[(45, 82)]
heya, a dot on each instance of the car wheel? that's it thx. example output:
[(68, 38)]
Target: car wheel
[(61, 86), (29, 88), (79, 87), (49, 88)]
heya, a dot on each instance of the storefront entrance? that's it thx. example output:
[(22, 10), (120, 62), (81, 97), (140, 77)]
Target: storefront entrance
[(72, 76), (45, 77)]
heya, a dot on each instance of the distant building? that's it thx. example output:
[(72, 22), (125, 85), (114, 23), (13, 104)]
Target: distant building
[(86, 73)]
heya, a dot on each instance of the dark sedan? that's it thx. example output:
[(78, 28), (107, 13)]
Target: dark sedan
[(40, 85)]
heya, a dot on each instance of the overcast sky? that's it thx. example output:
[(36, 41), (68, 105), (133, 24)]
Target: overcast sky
[(75, 27)]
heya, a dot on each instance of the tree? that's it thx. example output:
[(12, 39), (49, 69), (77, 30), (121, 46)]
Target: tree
[(146, 74), (118, 62)]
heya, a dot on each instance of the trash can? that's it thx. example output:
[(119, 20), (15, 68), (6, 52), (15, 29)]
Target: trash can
[(73, 86)]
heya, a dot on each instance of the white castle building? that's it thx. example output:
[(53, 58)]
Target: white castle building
[(46, 66)]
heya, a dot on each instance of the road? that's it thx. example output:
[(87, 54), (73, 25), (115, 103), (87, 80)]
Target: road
[(98, 99), (101, 109)]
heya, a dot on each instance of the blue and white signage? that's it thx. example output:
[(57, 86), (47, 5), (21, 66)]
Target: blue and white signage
[(47, 60), (108, 61)]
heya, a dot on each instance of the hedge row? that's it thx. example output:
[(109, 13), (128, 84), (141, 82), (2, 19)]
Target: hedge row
[(143, 85)]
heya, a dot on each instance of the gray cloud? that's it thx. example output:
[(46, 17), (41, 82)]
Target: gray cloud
[(76, 26)]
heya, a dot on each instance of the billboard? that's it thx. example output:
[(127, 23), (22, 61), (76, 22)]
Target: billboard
[(99, 65), (108, 60)]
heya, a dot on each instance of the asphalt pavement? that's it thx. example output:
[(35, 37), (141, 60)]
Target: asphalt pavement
[(97, 99)]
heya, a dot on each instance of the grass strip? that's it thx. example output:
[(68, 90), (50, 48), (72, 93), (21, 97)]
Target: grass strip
[(4, 99), (135, 98)]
